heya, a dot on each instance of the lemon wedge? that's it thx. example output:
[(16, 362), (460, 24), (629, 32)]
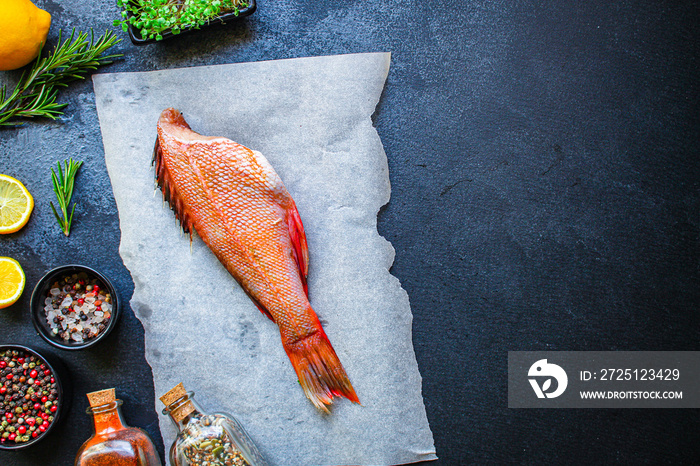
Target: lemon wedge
[(12, 281), (16, 205)]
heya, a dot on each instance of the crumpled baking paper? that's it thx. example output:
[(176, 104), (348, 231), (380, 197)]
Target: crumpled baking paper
[(311, 118)]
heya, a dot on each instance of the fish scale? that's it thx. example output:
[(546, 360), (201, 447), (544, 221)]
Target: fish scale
[(235, 201)]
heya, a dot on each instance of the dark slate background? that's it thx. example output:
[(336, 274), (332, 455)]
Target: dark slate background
[(546, 196)]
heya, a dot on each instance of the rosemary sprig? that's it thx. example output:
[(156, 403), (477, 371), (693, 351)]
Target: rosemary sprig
[(63, 184), (36, 92)]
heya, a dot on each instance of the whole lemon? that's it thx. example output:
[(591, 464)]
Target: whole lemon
[(23, 30)]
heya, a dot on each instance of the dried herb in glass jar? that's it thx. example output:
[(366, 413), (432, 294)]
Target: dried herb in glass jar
[(212, 439)]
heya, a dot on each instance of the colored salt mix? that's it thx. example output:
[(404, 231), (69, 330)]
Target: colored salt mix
[(78, 308)]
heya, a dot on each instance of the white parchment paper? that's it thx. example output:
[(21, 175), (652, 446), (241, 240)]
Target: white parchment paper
[(311, 118)]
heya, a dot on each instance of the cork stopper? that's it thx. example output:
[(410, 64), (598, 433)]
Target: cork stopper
[(173, 395), (176, 393), (101, 397)]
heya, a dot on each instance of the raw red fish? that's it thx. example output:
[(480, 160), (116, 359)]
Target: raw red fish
[(232, 197)]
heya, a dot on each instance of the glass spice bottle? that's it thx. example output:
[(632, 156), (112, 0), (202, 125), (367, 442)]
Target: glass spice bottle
[(114, 443), (212, 439)]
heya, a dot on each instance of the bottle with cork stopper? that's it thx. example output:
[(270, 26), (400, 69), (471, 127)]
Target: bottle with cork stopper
[(114, 443), (212, 439)]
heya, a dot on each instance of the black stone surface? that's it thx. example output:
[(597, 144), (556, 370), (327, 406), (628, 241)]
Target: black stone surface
[(546, 196)]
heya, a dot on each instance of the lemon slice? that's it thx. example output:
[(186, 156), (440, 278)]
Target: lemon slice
[(11, 281), (16, 205)]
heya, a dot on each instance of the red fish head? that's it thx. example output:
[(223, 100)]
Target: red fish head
[(173, 116)]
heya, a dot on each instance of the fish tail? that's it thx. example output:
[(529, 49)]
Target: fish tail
[(319, 370)]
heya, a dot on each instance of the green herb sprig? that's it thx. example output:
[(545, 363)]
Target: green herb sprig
[(36, 92), (63, 184), (153, 17)]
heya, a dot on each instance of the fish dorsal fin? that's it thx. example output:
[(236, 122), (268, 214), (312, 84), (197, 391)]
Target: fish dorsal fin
[(300, 248), (170, 195), (260, 306), (263, 310)]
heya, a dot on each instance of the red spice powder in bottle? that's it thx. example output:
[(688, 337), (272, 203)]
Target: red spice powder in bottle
[(114, 443)]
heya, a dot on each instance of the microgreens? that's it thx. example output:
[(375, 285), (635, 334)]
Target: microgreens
[(154, 17)]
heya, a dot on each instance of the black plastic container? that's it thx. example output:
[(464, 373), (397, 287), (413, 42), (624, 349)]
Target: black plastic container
[(63, 386), (136, 39), (39, 316)]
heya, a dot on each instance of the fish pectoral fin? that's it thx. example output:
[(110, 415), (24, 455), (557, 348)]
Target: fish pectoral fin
[(300, 248)]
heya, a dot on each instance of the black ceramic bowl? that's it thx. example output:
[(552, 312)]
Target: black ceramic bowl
[(43, 288), (136, 39), (63, 387)]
